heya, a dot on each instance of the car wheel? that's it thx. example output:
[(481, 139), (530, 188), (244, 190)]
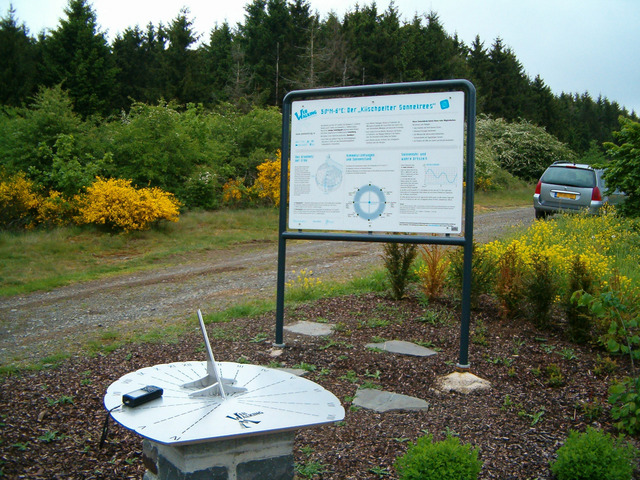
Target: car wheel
[(540, 215)]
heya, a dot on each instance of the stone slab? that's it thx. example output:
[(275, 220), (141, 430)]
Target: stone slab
[(313, 329), (403, 348), (381, 401), (462, 382)]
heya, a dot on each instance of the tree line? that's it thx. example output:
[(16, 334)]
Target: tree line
[(281, 46)]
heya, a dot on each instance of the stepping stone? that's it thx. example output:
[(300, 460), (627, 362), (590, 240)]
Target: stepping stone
[(462, 382), (403, 348), (381, 401), (310, 328)]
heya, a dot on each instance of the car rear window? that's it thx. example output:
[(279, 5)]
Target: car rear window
[(575, 177)]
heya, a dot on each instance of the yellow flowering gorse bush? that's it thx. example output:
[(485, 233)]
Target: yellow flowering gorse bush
[(591, 238), (119, 205), (233, 191), (18, 201), (54, 209), (267, 184)]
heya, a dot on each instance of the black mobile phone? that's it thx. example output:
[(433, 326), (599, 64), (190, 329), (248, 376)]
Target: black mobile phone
[(142, 395)]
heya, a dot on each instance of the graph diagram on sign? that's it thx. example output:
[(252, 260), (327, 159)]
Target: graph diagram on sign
[(434, 176)]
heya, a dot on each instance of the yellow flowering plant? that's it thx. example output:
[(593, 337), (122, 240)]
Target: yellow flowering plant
[(18, 202), (234, 192), (303, 286), (596, 243), (267, 185), (117, 204), (433, 270)]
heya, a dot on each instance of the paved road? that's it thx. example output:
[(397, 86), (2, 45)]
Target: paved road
[(40, 323)]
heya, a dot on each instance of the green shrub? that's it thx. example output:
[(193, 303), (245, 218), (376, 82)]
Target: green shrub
[(201, 190), (578, 317), (398, 258), (433, 270), (484, 269), (594, 455), (522, 148), (624, 397), (509, 286), (540, 289), (622, 171), (445, 460)]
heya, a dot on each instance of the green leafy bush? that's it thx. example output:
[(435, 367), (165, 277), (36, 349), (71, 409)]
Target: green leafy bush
[(594, 455), (398, 258), (540, 289), (578, 316), (509, 286), (27, 135), (624, 397), (623, 170), (483, 266), (445, 460), (522, 148)]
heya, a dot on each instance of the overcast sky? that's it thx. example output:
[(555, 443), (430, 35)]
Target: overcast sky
[(576, 46)]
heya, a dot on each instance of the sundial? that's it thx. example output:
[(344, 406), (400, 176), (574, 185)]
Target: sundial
[(208, 401)]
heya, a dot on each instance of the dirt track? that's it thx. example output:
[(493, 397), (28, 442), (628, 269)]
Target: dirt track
[(35, 325)]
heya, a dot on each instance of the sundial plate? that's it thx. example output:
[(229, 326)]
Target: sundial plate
[(273, 401)]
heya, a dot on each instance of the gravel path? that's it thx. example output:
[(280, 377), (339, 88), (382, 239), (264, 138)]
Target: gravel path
[(41, 323)]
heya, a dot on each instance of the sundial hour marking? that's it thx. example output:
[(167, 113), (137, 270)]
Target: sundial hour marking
[(267, 386), (200, 419), (271, 407), (182, 414)]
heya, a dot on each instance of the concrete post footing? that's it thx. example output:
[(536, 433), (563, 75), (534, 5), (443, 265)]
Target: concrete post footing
[(244, 458)]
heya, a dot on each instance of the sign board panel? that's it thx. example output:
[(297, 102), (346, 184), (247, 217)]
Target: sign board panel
[(387, 163)]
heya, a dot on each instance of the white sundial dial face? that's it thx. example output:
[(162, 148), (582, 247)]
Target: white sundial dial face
[(274, 401), (256, 400)]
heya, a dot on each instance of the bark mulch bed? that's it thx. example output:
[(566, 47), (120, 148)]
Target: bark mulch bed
[(51, 420)]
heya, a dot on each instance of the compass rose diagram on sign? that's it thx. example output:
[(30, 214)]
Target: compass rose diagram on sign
[(369, 202)]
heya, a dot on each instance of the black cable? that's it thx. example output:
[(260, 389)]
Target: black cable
[(105, 427)]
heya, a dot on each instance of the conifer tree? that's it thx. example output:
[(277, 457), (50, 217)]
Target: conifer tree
[(507, 88), (131, 61), (218, 56), (17, 61), (183, 69), (77, 55)]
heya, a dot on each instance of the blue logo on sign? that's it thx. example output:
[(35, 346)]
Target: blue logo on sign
[(444, 104), (304, 113)]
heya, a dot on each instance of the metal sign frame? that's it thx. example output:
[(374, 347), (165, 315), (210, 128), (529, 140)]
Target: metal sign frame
[(466, 240)]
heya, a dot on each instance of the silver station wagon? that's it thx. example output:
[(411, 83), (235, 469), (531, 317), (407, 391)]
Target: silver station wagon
[(570, 187)]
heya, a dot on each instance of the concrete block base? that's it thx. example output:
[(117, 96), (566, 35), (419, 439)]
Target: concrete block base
[(246, 458)]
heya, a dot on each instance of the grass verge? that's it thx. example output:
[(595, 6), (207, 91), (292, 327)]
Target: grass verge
[(45, 259)]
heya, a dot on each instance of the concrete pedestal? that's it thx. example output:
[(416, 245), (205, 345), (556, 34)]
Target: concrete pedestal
[(267, 456)]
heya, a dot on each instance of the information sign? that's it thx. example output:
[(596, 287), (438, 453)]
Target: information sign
[(386, 163)]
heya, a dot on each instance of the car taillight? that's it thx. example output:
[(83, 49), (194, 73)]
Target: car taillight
[(596, 196), (538, 187)]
